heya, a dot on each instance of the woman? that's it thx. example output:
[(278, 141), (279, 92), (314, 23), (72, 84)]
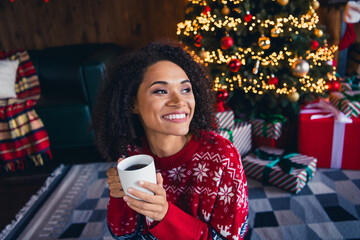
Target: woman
[(158, 101)]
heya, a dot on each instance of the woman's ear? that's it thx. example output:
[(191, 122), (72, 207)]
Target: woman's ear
[(135, 108)]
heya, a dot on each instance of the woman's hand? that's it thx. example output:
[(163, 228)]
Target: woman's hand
[(115, 187), (154, 206)]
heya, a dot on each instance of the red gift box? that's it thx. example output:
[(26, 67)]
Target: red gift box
[(335, 144)]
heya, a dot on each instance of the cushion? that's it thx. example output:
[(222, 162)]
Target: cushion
[(8, 69)]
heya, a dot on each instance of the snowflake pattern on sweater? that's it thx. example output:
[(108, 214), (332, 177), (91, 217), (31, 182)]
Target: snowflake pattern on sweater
[(206, 189)]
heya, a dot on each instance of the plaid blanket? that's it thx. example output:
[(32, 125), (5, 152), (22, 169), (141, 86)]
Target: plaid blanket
[(23, 139)]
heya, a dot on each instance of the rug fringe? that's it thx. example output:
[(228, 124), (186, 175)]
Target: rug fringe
[(5, 232)]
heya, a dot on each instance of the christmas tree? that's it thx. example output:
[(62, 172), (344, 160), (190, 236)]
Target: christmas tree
[(267, 54)]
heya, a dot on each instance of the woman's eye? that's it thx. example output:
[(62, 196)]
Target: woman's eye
[(186, 90), (160, 91)]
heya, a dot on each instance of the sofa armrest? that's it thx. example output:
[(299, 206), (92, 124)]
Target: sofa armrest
[(93, 71)]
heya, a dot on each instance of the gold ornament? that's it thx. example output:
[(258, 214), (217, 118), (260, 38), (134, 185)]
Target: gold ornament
[(256, 67), (300, 68), (282, 2), (293, 96), (315, 4), (189, 10), (264, 42), (237, 10), (318, 32), (225, 10), (202, 53), (275, 32), (311, 11)]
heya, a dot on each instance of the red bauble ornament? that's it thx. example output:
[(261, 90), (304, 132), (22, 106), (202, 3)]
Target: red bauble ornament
[(248, 17), (221, 96), (314, 44), (273, 81), (234, 65), (206, 10), (197, 40), (226, 42), (333, 86)]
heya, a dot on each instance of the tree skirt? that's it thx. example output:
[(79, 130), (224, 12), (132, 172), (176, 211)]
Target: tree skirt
[(327, 208)]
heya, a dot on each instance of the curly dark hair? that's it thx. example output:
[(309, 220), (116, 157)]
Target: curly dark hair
[(115, 126)]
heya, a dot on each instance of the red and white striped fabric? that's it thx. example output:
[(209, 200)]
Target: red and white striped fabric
[(23, 139)]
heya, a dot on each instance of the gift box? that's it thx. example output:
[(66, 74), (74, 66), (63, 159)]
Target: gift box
[(267, 132), (290, 172), (239, 135), (268, 128), (345, 86), (350, 84), (347, 102), (332, 140), (226, 119)]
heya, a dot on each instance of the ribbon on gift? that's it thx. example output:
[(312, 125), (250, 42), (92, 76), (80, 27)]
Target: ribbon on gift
[(353, 83), (230, 132), (271, 118), (283, 161), (339, 127)]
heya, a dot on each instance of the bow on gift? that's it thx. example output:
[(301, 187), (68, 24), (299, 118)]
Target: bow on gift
[(325, 107), (283, 161), (271, 118), (354, 83)]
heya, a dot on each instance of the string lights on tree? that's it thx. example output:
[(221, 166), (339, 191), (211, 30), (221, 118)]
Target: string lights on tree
[(262, 46)]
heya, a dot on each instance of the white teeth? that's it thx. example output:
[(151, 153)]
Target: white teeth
[(175, 116)]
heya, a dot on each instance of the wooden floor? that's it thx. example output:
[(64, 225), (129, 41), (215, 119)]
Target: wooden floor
[(16, 189)]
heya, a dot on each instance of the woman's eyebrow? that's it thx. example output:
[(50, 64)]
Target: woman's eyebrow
[(165, 83), (158, 82)]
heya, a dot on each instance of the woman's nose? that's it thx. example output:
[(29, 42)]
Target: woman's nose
[(175, 100)]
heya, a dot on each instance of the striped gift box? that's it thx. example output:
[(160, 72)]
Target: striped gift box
[(240, 136), (344, 86), (293, 182), (273, 130), (226, 119), (344, 103)]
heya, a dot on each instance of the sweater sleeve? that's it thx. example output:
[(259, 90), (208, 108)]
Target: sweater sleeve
[(180, 225), (230, 213), (122, 220)]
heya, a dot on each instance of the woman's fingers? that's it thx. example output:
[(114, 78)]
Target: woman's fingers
[(152, 210), (153, 206)]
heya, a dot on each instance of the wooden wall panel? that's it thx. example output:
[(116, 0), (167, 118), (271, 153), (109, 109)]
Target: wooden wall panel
[(33, 24)]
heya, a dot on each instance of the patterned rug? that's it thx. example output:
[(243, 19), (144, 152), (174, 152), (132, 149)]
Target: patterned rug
[(327, 208)]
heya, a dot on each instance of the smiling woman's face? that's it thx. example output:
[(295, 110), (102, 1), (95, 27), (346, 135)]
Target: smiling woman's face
[(165, 101)]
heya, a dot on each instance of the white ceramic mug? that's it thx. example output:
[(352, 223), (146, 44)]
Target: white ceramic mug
[(144, 171)]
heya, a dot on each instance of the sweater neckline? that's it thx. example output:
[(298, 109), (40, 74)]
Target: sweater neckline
[(175, 160)]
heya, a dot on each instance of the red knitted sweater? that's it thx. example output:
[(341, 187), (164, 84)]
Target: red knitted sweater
[(207, 193)]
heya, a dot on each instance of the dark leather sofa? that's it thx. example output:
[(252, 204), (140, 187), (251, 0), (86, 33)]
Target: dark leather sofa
[(70, 77)]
